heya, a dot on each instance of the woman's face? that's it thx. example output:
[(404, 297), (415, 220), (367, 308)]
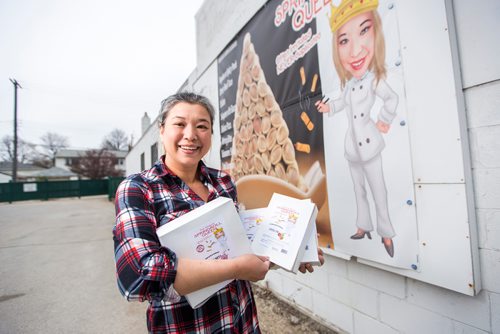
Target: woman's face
[(186, 135), (356, 44)]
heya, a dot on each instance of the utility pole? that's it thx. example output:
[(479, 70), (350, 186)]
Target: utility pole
[(14, 161)]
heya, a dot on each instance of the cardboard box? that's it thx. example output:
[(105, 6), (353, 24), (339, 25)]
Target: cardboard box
[(212, 231)]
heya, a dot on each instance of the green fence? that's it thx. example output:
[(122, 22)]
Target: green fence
[(44, 190)]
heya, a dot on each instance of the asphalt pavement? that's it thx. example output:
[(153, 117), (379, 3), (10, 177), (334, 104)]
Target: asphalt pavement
[(57, 271)]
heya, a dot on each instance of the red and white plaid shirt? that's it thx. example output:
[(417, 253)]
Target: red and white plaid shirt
[(146, 271)]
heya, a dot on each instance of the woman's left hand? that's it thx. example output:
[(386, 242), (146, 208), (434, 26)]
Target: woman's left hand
[(308, 267), (383, 127)]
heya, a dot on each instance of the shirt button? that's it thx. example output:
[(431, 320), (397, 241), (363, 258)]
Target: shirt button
[(353, 89), (361, 87), (362, 115), (354, 116), (368, 140), (360, 144)]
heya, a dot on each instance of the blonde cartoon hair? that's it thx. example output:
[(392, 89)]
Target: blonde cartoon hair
[(377, 64), (218, 231)]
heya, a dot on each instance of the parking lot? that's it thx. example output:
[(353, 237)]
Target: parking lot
[(57, 269)]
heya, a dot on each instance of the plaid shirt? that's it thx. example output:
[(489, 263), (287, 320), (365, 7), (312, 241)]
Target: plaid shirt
[(146, 270)]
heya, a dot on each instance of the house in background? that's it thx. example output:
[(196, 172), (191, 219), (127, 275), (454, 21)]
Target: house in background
[(65, 158), (54, 174), (22, 171), (61, 171), (30, 172)]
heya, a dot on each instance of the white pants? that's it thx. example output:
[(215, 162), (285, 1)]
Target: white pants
[(373, 172)]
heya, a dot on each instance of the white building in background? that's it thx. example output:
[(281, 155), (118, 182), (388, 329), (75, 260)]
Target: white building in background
[(357, 297), (147, 149)]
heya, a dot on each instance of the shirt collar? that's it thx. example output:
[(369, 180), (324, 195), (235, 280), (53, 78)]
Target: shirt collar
[(162, 169)]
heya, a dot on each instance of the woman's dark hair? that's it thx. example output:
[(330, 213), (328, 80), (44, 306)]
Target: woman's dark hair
[(187, 97)]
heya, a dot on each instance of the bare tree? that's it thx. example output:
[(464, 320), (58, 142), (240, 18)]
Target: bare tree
[(116, 140), (25, 151), (96, 164), (53, 143)]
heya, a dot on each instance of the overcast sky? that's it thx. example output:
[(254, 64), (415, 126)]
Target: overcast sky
[(89, 66)]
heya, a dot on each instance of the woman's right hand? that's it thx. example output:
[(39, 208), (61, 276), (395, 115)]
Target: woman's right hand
[(251, 267), (322, 107)]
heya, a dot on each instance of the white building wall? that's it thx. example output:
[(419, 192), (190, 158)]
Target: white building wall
[(61, 163), (143, 146), (356, 298)]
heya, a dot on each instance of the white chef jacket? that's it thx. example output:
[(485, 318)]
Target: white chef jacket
[(363, 140)]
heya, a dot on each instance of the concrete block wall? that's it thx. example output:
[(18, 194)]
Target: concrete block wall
[(355, 298)]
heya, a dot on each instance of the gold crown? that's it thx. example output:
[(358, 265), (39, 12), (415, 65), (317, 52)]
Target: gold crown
[(218, 230), (348, 9)]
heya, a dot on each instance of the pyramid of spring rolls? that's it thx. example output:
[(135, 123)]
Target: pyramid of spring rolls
[(261, 144)]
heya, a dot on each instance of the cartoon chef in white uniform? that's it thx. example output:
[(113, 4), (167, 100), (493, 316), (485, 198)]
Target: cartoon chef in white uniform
[(359, 59)]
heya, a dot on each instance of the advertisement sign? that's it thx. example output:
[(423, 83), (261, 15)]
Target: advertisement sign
[(336, 101), (271, 132)]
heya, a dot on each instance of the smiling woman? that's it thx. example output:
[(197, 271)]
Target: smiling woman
[(185, 130), (176, 184)]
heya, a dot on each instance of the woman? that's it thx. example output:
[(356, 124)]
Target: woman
[(359, 59), (176, 184)]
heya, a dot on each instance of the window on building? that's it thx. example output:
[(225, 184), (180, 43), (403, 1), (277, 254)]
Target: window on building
[(143, 164), (154, 153), (121, 161), (68, 161)]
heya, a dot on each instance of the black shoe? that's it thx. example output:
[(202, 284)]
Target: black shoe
[(361, 235), (389, 248)]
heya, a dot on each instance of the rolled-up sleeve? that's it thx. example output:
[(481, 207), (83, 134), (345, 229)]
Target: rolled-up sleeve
[(144, 269)]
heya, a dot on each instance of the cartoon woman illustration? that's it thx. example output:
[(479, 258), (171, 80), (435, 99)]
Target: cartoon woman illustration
[(222, 239), (359, 59)]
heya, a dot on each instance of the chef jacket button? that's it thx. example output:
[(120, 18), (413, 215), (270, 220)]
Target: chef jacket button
[(360, 144), (361, 87), (354, 116), (368, 140), (353, 89), (362, 114)]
